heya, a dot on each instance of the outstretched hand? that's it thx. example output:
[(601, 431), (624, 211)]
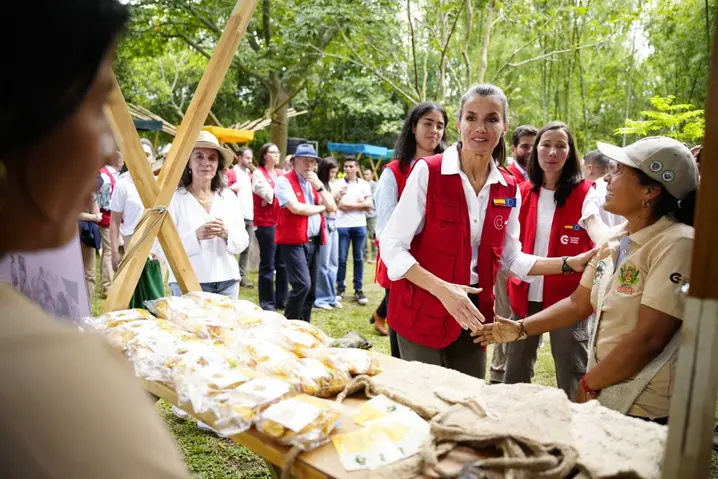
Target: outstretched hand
[(578, 263), (455, 299), (500, 331)]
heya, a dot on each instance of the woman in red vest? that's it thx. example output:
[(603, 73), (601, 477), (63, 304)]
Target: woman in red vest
[(456, 220), (559, 217), (423, 134), (272, 290)]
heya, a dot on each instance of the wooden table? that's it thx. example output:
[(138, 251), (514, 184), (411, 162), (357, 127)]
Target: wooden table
[(321, 463)]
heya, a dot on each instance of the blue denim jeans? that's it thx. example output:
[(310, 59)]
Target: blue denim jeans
[(229, 288), (328, 265), (355, 235)]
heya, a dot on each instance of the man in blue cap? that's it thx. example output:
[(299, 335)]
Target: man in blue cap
[(300, 229)]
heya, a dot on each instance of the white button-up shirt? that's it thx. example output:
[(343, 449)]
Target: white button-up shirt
[(407, 221)]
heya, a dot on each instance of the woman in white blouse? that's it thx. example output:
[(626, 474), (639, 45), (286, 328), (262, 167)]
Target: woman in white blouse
[(456, 221), (559, 216), (205, 213)]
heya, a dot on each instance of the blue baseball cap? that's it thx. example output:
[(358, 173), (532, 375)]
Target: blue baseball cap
[(307, 151)]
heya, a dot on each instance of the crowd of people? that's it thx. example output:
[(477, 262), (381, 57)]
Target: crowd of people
[(460, 237)]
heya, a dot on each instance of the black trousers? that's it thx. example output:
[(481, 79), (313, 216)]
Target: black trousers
[(270, 261), (301, 263)]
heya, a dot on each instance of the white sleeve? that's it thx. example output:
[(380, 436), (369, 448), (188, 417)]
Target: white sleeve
[(367, 190), (591, 206), (187, 235), (386, 198), (119, 196), (262, 188), (237, 238), (406, 222), (513, 259)]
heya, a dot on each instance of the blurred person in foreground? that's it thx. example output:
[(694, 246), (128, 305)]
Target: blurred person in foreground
[(71, 404)]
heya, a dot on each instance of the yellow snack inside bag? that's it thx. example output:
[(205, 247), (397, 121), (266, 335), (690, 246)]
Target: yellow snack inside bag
[(302, 421), (307, 328), (351, 360), (309, 376)]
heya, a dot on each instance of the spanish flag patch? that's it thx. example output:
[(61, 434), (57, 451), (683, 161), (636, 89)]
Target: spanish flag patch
[(508, 202), (572, 227)]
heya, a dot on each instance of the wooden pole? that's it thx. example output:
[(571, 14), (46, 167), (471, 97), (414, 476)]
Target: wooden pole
[(689, 445), (123, 285)]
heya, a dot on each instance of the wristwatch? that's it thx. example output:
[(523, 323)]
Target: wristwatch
[(320, 189), (565, 267)]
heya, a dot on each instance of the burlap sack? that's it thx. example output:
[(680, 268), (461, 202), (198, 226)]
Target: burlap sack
[(537, 430)]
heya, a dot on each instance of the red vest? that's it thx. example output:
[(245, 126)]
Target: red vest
[(567, 239), (400, 176), (265, 215), (513, 169), (105, 222), (291, 228), (444, 248)]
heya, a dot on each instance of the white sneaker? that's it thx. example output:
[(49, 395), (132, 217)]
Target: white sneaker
[(180, 413), (337, 305), (325, 307)]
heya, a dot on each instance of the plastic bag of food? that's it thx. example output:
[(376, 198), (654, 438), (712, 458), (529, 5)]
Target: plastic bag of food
[(352, 361), (351, 340), (114, 318), (243, 306), (309, 376), (307, 328), (217, 304), (186, 313), (205, 371), (255, 351), (302, 421), (238, 408), (122, 335)]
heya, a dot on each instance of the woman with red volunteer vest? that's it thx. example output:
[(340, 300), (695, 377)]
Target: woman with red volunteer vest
[(109, 175), (455, 221), (301, 229), (272, 290), (559, 216), (423, 134)]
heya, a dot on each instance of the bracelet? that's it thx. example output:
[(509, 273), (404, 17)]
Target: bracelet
[(587, 389), (522, 331), (320, 189)]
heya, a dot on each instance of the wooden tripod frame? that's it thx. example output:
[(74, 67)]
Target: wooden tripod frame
[(156, 195)]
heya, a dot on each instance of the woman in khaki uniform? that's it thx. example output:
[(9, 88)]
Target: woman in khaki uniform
[(633, 282), (70, 406)]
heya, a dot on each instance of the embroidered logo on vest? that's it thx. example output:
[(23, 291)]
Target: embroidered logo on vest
[(628, 278), (499, 222)]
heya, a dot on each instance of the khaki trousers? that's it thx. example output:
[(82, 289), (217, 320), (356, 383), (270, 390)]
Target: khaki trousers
[(89, 261), (106, 260)]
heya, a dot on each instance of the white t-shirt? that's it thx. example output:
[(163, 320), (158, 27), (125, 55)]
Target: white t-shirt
[(544, 219), (610, 219), (245, 193), (358, 190), (212, 259), (126, 200)]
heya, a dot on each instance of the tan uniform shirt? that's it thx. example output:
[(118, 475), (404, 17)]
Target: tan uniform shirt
[(70, 406), (656, 265)]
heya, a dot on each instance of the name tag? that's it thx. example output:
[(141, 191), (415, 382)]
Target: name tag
[(507, 202), (572, 227)]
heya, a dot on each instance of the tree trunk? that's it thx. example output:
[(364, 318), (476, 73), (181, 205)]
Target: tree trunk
[(469, 10), (489, 18), (278, 107)]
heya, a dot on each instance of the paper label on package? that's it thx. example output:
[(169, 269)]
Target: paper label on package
[(293, 413), (378, 407), (381, 442), (264, 389)]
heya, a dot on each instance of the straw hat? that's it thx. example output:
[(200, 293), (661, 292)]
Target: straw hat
[(208, 140)]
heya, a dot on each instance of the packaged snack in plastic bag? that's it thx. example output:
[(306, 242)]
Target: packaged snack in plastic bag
[(302, 421), (205, 371), (352, 361), (237, 409), (114, 318), (217, 304), (287, 337), (307, 328), (243, 306), (309, 376), (186, 313), (255, 351)]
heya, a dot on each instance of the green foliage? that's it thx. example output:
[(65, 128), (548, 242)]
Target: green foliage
[(680, 121)]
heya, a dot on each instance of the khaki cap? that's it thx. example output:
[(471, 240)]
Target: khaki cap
[(663, 159)]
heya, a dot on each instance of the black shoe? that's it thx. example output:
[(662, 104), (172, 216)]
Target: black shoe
[(360, 298)]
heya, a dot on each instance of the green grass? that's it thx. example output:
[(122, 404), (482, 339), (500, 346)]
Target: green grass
[(210, 457)]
